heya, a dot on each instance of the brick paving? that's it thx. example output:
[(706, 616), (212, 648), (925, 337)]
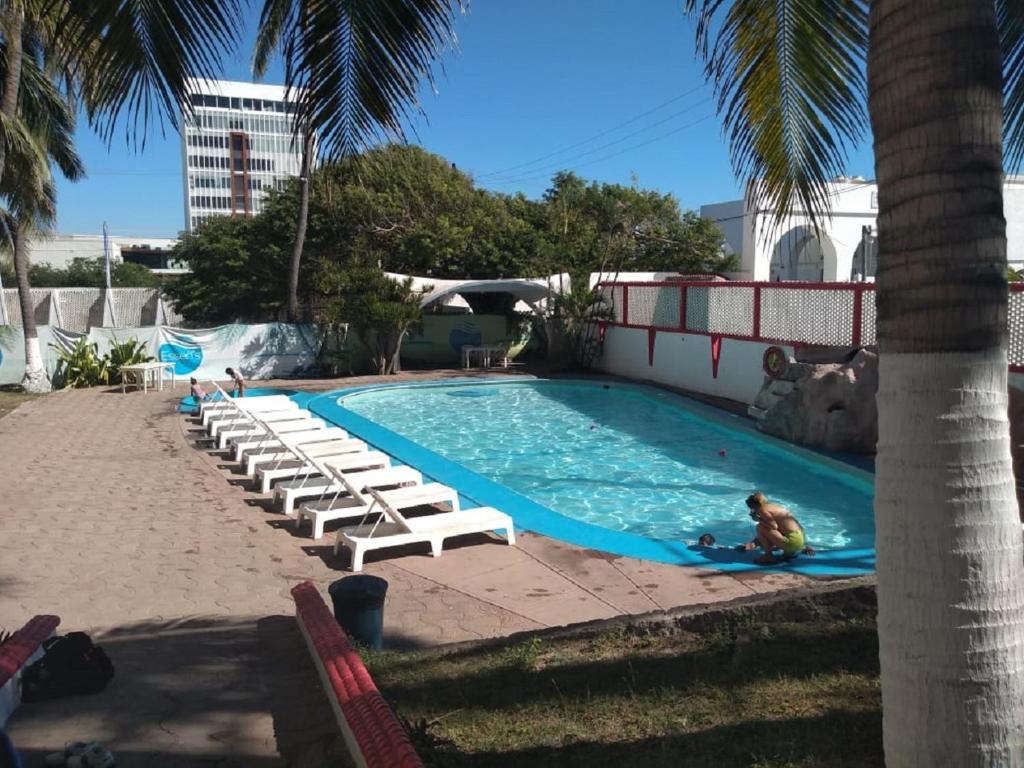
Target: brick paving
[(113, 520)]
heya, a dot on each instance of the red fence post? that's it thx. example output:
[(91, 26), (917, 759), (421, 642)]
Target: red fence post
[(682, 307), (858, 313), (625, 305), (757, 313)]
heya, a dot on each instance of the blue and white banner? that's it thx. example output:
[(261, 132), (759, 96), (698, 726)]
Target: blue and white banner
[(262, 351)]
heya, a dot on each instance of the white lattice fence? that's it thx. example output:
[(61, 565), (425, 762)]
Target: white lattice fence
[(731, 311), (807, 315), (656, 306), (1015, 320), (868, 317), (80, 308), (40, 305), (134, 307)]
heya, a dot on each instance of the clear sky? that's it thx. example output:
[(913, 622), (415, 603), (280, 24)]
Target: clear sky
[(607, 88)]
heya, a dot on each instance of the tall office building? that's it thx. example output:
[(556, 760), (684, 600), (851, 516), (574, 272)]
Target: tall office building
[(237, 142)]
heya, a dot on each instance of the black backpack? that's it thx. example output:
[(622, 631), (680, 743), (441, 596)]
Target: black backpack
[(71, 665)]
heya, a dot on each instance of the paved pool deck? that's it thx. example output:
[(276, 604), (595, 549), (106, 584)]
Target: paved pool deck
[(112, 519)]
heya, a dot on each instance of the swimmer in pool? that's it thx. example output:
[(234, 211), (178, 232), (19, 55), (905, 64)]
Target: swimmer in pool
[(777, 529)]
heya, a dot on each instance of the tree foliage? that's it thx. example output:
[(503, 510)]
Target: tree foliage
[(408, 211), (90, 273), (378, 309), (238, 271)]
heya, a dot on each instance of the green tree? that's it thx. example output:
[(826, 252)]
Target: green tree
[(380, 310), (792, 88), (356, 69), (105, 55), (236, 267), (595, 227), (91, 273)]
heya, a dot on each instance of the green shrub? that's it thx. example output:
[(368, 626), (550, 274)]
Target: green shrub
[(81, 366), (121, 353)]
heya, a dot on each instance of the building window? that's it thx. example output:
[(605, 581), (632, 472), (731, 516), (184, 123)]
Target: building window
[(223, 102)]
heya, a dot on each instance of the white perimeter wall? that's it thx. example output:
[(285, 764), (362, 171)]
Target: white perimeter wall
[(684, 360)]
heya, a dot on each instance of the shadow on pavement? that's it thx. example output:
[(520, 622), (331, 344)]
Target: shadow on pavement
[(196, 691)]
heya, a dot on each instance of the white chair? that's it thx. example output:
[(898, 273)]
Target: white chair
[(268, 444), (392, 529), (301, 463), (275, 449), (349, 502)]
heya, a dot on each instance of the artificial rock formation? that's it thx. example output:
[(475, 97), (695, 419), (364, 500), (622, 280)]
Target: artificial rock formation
[(829, 405)]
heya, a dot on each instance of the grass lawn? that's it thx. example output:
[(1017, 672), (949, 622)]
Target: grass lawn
[(756, 695), (11, 397)]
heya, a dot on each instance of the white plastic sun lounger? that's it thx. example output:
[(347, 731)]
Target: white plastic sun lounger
[(300, 465), (267, 444), (229, 437), (216, 426), (395, 530), (320, 488), (231, 405), (261, 457), (356, 504)]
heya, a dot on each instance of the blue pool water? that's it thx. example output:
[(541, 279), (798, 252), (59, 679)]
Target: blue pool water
[(625, 458)]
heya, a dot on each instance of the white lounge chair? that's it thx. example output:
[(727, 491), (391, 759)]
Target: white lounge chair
[(242, 420), (356, 504), (321, 488), (231, 405), (300, 463), (267, 444), (316, 440), (258, 429), (395, 530)]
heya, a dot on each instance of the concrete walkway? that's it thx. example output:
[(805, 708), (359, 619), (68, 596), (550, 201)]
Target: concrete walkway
[(113, 520)]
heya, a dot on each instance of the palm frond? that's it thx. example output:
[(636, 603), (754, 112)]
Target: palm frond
[(355, 66), (790, 81), (133, 58), (278, 16), (1011, 39)]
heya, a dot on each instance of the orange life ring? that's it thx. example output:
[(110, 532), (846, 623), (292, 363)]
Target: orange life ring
[(774, 362)]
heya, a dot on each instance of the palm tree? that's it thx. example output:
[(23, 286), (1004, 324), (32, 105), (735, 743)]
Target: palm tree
[(38, 133), (355, 69), (791, 85), (108, 55)]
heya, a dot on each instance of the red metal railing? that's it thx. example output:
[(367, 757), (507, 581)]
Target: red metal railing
[(790, 313)]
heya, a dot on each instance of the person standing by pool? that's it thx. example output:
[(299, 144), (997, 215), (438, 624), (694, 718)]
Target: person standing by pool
[(237, 381), (777, 529)]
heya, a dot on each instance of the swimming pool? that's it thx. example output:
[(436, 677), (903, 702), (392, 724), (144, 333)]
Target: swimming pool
[(628, 469)]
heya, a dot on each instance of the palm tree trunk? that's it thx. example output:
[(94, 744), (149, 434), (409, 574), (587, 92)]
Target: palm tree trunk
[(15, 28), (300, 229), (950, 555), (35, 379)]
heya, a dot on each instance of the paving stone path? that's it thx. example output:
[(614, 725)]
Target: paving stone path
[(113, 520)]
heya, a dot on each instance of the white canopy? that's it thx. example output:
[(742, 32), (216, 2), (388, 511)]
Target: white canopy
[(530, 291)]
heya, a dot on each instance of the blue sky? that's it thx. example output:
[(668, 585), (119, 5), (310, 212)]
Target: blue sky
[(606, 88)]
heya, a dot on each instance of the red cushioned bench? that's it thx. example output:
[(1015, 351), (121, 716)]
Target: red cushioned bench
[(15, 653), (374, 736)]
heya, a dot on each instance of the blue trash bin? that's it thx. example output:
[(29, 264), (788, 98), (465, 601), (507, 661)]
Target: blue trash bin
[(359, 608)]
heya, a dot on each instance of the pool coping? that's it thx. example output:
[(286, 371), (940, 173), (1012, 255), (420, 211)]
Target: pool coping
[(533, 516)]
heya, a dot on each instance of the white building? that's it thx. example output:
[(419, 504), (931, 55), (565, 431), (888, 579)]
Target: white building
[(237, 142), (845, 250), (60, 250)]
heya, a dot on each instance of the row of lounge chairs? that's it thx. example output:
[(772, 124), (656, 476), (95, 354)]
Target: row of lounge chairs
[(319, 473)]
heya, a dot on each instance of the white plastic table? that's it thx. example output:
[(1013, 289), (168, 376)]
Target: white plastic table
[(142, 372)]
